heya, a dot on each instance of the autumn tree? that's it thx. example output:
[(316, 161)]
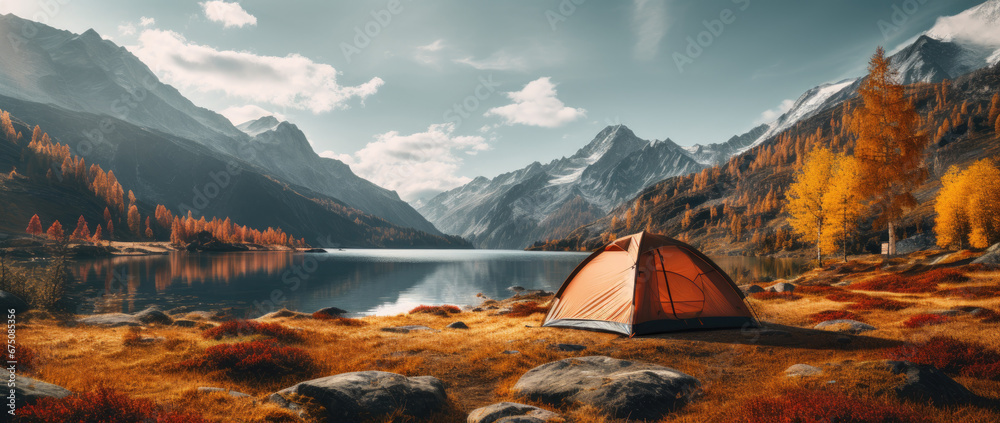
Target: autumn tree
[(806, 197), (96, 238), (82, 232), (994, 108), (55, 231), (968, 206), (842, 203), (134, 221), (34, 226), (888, 147), (149, 231)]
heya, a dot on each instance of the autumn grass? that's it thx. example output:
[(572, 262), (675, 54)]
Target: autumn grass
[(736, 367)]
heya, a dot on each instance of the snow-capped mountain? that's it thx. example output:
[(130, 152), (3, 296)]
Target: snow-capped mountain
[(86, 73), (534, 203)]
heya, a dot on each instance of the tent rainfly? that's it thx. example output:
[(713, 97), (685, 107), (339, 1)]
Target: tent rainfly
[(646, 283)]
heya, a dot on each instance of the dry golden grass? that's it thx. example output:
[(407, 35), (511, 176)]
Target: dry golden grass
[(733, 366)]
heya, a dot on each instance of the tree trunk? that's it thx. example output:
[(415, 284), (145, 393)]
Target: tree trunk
[(892, 238), (846, 237), (819, 239)]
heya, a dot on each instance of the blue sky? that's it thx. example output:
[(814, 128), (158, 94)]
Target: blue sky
[(437, 93)]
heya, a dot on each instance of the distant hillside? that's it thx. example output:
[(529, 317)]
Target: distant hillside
[(736, 207)]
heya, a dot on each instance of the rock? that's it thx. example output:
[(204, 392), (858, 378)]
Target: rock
[(235, 394), (457, 325), (28, 390), (845, 325), (406, 329), (503, 411), (331, 311), (10, 301), (516, 289), (623, 389), (927, 383), (567, 347), (153, 315), (477, 309), (945, 312), (782, 287), (802, 370), (991, 257), (753, 289), (110, 320), (920, 242), (284, 313), (510, 352), (369, 395), (503, 311)]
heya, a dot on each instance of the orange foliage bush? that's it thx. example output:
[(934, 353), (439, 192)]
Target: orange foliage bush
[(102, 406), (526, 309), (953, 356), (833, 315), (238, 328), (442, 310), (255, 360), (803, 405), (921, 320), (924, 282)]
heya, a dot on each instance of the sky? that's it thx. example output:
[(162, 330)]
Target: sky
[(422, 96)]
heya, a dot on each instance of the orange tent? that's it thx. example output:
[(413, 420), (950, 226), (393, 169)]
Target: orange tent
[(646, 283)]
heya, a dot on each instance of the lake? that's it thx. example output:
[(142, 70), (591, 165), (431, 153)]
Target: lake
[(364, 282)]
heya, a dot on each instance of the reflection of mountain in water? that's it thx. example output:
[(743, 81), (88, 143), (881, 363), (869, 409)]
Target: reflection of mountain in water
[(361, 281)]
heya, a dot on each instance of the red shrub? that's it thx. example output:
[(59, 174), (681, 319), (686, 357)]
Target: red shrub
[(944, 276), (875, 303), (897, 283), (102, 406), (442, 310), (921, 320), (846, 297), (240, 328), (526, 309), (264, 359), (953, 356), (803, 405), (768, 295), (833, 315)]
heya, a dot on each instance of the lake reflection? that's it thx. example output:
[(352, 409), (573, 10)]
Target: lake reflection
[(361, 281)]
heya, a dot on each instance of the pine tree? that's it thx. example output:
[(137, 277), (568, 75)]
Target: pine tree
[(34, 226), (996, 126), (888, 147), (55, 231), (82, 232), (134, 220), (805, 197), (97, 235), (149, 231), (994, 108)]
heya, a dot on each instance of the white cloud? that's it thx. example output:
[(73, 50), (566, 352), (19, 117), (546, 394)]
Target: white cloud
[(126, 28), (291, 81), (771, 115), (435, 46), (500, 60), (144, 21), (537, 105), (230, 14), (415, 165), (243, 114), (977, 25), (650, 25)]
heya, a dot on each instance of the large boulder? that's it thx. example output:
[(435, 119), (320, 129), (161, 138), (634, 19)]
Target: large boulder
[(920, 242), (330, 312), (509, 412), (753, 289), (10, 301), (620, 388), (153, 315), (782, 287), (369, 395), (803, 370), (926, 383), (845, 325), (28, 390), (992, 256), (110, 320)]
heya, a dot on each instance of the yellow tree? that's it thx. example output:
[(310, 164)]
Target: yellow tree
[(951, 223), (805, 197), (843, 204), (968, 206), (888, 147)]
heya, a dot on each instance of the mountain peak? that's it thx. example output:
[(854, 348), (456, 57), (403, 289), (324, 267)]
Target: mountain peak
[(258, 126)]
